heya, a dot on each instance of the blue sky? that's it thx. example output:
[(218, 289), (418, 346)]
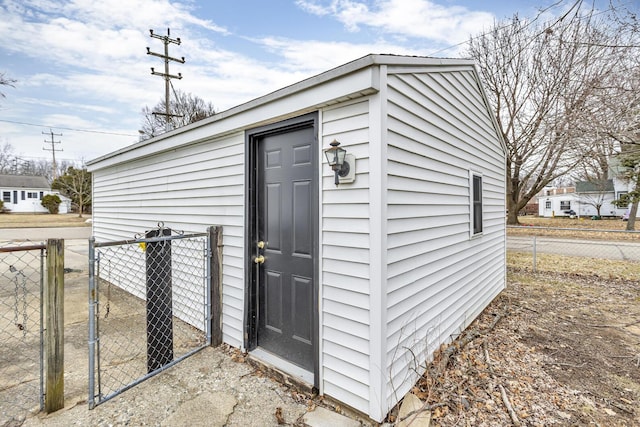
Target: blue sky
[(82, 69)]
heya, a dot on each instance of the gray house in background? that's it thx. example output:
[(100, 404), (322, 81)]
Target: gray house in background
[(349, 287), (24, 193)]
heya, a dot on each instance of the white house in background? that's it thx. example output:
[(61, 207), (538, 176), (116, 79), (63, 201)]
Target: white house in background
[(396, 260), (65, 203), (582, 199), (24, 193)]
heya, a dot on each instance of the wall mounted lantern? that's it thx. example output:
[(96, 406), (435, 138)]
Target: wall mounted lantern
[(336, 157)]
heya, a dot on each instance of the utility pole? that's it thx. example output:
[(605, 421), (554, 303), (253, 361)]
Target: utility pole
[(53, 150), (166, 40)]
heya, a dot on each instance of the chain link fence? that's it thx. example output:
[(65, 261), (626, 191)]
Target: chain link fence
[(149, 308), (21, 332), (611, 253)]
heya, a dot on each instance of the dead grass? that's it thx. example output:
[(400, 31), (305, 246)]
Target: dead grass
[(575, 265), (565, 351), (606, 229), (582, 223), (42, 220)]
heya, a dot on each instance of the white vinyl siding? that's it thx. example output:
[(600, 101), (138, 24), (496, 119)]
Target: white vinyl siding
[(189, 190), (438, 279), (345, 260)]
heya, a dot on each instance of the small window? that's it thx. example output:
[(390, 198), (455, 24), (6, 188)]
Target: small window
[(41, 195), (565, 205), (6, 196), (32, 195), (547, 204), (477, 204)]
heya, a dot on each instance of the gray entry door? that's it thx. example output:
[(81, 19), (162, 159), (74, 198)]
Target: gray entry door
[(285, 210)]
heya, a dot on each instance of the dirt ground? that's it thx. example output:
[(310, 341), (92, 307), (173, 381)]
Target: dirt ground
[(558, 349)]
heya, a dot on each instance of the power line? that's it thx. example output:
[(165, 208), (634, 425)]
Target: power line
[(65, 128)]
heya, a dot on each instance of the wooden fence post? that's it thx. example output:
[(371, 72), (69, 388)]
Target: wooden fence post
[(54, 335), (215, 239)]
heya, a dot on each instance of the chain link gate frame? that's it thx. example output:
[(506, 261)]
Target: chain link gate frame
[(21, 331), (149, 307)]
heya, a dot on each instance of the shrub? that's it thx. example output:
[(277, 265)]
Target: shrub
[(51, 202)]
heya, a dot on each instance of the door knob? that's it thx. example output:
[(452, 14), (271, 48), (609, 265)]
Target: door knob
[(261, 245), (259, 259)]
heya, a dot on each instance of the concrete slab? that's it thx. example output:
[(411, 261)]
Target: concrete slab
[(206, 409), (76, 254), (322, 417), (76, 302)]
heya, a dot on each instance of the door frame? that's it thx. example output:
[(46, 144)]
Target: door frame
[(251, 280)]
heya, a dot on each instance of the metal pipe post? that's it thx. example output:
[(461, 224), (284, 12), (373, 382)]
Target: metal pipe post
[(92, 319)]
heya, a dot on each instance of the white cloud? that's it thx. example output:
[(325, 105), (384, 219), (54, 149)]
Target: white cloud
[(71, 105), (314, 56), (91, 34), (413, 18)]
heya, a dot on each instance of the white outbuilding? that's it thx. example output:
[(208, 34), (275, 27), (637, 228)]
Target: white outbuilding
[(349, 287)]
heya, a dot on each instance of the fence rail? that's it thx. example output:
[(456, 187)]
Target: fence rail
[(615, 252), (21, 331), (149, 307)]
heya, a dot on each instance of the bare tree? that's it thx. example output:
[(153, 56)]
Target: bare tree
[(75, 183), (540, 78), (43, 167), (7, 158), (616, 114), (5, 81), (189, 109), (595, 161), (11, 163), (35, 167), (630, 172)]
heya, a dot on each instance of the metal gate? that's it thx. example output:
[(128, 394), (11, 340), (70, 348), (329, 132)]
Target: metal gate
[(21, 331), (149, 307)]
